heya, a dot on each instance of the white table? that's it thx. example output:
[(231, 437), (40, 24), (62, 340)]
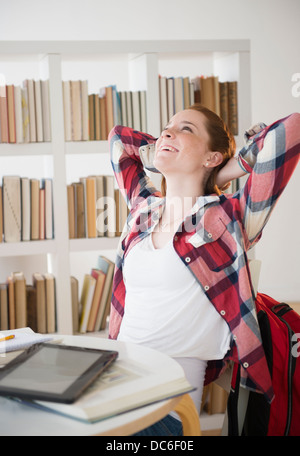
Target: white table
[(19, 419)]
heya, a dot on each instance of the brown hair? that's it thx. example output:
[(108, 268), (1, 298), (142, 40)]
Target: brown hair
[(221, 140)]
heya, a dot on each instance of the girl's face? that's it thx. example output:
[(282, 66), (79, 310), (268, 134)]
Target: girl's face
[(183, 145)]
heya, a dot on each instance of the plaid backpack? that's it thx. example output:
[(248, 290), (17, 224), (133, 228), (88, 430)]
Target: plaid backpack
[(280, 331)]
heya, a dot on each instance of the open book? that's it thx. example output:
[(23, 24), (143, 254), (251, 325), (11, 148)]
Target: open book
[(126, 385)]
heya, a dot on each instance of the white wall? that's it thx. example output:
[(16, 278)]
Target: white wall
[(271, 25)]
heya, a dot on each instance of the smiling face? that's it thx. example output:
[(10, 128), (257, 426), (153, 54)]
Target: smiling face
[(183, 146)]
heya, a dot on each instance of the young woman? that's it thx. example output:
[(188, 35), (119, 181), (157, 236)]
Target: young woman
[(182, 283)]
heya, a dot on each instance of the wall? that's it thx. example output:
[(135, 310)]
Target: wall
[(271, 25)]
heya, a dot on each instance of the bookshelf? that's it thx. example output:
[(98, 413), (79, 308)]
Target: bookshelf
[(140, 64)]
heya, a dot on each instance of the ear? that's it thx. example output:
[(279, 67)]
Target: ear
[(214, 159)]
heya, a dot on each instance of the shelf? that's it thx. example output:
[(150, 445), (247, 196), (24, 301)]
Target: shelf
[(107, 47), (25, 149), (86, 147), (100, 243), (27, 248)]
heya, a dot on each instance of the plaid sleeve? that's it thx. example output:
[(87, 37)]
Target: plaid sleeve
[(127, 165), (270, 158)]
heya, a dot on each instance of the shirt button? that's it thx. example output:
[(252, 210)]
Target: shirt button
[(223, 312), (187, 259), (176, 238), (234, 337), (206, 288), (209, 235), (245, 365)]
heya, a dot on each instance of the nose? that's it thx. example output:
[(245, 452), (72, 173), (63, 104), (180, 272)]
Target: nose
[(168, 133)]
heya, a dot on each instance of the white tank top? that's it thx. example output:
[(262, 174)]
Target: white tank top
[(165, 307)]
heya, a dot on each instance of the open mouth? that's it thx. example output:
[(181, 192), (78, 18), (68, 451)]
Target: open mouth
[(169, 149)]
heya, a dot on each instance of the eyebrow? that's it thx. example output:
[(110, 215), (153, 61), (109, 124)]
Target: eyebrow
[(183, 122)]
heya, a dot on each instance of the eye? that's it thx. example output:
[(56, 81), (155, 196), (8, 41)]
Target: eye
[(186, 128)]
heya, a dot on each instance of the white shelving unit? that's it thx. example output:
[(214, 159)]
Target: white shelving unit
[(144, 61)]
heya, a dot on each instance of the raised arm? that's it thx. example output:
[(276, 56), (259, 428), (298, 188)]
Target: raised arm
[(127, 165), (270, 158)]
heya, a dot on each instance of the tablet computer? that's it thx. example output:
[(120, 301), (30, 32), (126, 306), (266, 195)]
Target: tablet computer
[(52, 372)]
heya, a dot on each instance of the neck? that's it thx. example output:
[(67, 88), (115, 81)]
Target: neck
[(181, 196)]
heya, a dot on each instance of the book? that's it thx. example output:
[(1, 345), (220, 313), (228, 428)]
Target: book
[(164, 116), (11, 301), (126, 385), (66, 87), (232, 107), (79, 208), (136, 113), (99, 205), (10, 93), (25, 114), (224, 102), (38, 111), (4, 322), (178, 94), (107, 267), (109, 109), (109, 213), (91, 192), (1, 214), (29, 85), (47, 184), (103, 122), (92, 134), (50, 302), (71, 211), (31, 307), (3, 115), (171, 97), (41, 213), (129, 109), (86, 298), (20, 299), (11, 188), (84, 110), (35, 208), (18, 114), (95, 307), (38, 282), (46, 110), (76, 111), (75, 303), (121, 212), (26, 208)]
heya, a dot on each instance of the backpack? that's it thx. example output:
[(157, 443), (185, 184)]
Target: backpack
[(280, 330)]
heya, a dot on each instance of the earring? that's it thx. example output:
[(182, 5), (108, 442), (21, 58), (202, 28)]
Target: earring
[(206, 164)]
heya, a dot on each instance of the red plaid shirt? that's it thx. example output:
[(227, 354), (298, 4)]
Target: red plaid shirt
[(214, 238)]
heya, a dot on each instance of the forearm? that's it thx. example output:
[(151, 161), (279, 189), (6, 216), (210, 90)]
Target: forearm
[(126, 161), (231, 171)]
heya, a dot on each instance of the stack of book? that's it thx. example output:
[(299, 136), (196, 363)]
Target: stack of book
[(32, 305), (179, 93), (95, 208), (26, 209), (92, 116), (25, 112), (96, 296)]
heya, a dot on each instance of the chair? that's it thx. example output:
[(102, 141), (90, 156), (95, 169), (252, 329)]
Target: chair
[(189, 416)]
